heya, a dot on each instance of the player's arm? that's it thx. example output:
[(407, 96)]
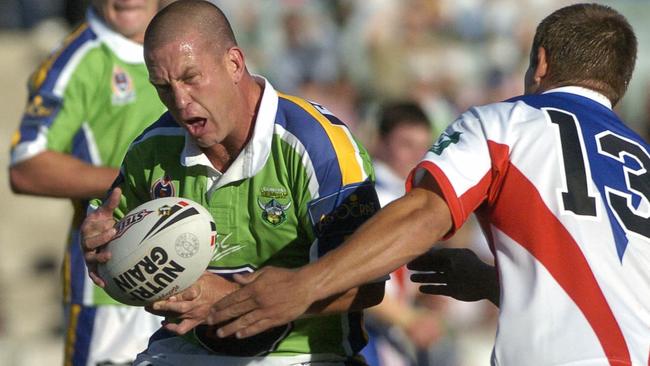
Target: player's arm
[(397, 234), (40, 162), (56, 174)]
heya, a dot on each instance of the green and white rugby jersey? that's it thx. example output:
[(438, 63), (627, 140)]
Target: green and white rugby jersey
[(91, 98), (298, 187)]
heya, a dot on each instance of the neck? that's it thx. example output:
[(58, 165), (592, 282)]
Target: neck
[(222, 155)]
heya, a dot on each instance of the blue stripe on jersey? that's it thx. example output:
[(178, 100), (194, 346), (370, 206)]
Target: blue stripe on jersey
[(594, 118), (165, 120), (44, 105), (29, 130), (80, 147), (78, 348), (314, 138), (77, 268), (64, 57)]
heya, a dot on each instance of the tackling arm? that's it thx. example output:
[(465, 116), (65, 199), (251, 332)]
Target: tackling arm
[(397, 234)]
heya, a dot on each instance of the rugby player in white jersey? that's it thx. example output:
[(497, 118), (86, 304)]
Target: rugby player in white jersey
[(561, 187)]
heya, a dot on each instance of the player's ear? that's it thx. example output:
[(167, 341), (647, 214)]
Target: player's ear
[(541, 69), (235, 63)]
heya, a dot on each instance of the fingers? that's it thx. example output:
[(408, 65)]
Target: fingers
[(96, 279), (248, 325), (183, 327), (111, 203), (437, 259), (220, 314), (433, 277), (100, 234), (246, 278), (436, 290)]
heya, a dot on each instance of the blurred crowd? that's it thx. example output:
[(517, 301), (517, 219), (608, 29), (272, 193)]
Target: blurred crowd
[(355, 56)]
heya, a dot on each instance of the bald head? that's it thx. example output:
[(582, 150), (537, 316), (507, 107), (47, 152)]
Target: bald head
[(190, 17)]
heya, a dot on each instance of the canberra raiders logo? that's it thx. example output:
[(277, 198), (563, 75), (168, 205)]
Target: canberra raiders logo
[(273, 211)]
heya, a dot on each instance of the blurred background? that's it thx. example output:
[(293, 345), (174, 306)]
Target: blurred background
[(350, 56)]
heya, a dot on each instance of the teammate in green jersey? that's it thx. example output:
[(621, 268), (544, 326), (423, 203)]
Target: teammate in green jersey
[(283, 178), (87, 102)]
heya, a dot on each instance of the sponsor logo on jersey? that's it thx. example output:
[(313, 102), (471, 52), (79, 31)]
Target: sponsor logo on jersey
[(122, 86), (37, 108), (270, 192), (129, 220), (273, 211), (445, 140), (339, 214), (163, 187)]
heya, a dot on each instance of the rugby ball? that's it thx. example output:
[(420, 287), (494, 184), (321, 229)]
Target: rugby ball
[(161, 247)]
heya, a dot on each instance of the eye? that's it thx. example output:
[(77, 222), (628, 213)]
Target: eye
[(192, 78), (161, 88)]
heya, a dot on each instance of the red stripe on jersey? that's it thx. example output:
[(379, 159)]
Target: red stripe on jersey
[(544, 236), (457, 215), (183, 203)]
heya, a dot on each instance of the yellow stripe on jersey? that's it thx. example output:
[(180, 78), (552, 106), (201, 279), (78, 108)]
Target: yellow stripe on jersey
[(351, 170), (38, 77), (71, 336), (15, 139)]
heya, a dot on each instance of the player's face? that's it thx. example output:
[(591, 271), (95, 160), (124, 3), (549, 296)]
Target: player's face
[(405, 146), (127, 17), (197, 87)]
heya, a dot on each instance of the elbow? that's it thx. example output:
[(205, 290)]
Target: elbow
[(17, 181)]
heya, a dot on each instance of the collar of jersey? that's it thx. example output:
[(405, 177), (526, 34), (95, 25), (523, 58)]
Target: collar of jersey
[(587, 93), (256, 152), (124, 48)]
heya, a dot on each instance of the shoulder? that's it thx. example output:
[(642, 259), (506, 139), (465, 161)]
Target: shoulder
[(164, 129), (58, 68), (306, 118), (311, 125)]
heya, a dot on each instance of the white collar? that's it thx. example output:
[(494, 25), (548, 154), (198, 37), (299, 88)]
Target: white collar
[(125, 49), (256, 152), (587, 93)]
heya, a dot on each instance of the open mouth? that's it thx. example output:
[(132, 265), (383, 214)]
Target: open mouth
[(195, 125)]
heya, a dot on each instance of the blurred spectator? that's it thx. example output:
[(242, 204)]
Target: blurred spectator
[(25, 14), (399, 330)]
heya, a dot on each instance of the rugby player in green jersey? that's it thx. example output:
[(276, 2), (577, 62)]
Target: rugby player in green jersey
[(283, 178)]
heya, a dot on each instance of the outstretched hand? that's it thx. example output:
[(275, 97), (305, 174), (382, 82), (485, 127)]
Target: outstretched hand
[(458, 273), (192, 306), (269, 297), (97, 230)]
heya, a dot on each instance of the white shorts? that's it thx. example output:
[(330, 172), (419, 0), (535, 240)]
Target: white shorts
[(176, 351), (107, 334)]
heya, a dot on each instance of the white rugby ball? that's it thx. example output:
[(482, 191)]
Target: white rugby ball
[(161, 247)]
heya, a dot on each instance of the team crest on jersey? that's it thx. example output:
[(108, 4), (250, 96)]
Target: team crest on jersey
[(273, 211), (38, 108), (163, 187), (444, 141), (122, 86)]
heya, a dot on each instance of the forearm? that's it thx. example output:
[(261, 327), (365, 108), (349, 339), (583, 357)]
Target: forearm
[(55, 174), (355, 299), (397, 234)]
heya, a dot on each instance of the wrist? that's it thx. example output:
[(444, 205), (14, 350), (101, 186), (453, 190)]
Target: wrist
[(313, 282)]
